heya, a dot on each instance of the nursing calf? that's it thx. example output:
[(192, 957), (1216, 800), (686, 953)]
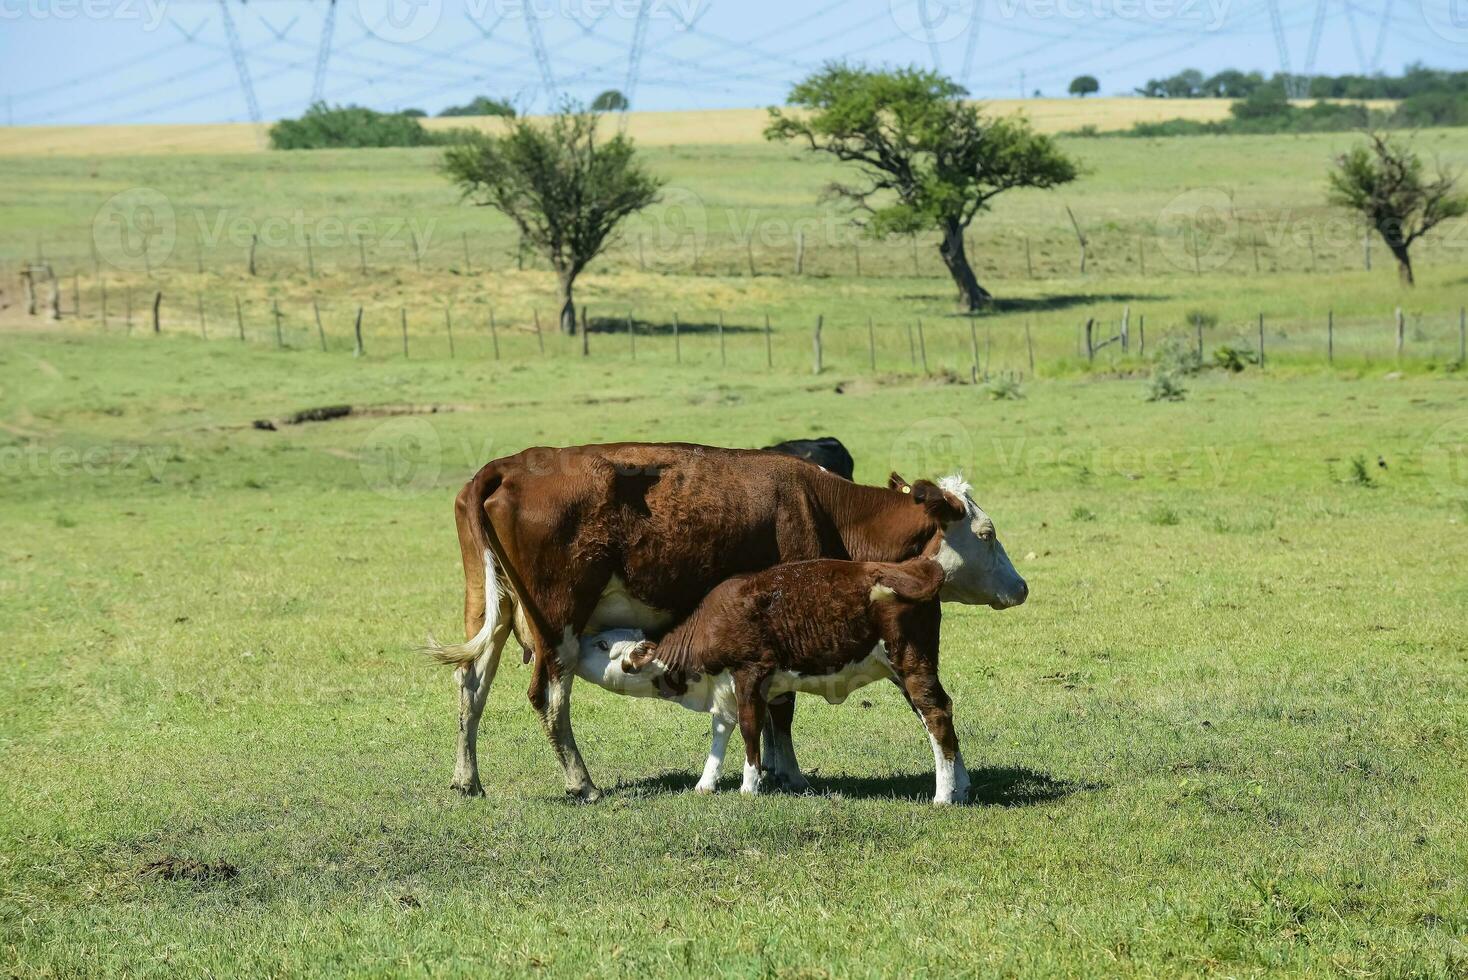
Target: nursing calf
[(816, 627)]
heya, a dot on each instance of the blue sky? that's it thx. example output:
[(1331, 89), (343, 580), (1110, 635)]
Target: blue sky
[(119, 61)]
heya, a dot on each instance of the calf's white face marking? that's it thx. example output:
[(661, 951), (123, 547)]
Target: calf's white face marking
[(976, 568)]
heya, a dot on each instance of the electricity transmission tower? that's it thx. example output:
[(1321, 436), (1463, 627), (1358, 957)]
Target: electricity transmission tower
[(238, 52), (323, 52)]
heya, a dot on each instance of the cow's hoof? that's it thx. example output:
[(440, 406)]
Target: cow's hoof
[(586, 794), (784, 782), (467, 787)]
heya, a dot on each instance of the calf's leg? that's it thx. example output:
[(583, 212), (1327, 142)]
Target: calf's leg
[(723, 727), (779, 747), (935, 708), (749, 689)]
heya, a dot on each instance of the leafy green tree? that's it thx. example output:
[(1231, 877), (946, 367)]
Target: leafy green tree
[(565, 191), (609, 101), (1383, 181), (481, 105), (925, 157), (1084, 85), (323, 126)]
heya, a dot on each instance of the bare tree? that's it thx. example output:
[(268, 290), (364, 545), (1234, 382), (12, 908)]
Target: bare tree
[(565, 191), (1383, 181)]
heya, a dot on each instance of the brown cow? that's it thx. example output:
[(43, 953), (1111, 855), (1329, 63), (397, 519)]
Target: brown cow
[(584, 539), (818, 627)]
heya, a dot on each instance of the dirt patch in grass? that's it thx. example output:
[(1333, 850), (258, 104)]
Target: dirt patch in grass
[(174, 868)]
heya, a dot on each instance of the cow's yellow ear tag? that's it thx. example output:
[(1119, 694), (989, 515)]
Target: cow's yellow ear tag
[(907, 489)]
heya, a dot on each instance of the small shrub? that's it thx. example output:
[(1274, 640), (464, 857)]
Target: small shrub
[(1360, 475), (1003, 389), (1179, 356), (1164, 386), (323, 127), (1235, 359), (1163, 517), (1082, 513)]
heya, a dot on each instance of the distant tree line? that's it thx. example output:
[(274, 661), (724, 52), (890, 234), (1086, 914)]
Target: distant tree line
[(1416, 80)]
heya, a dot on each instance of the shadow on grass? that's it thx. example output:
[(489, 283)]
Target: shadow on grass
[(1045, 304), (1006, 787), (646, 328)]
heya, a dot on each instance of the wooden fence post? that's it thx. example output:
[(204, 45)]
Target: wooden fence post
[(1080, 236), (677, 344), (539, 337), (417, 255), (310, 259), (816, 342), (799, 253), (358, 350), (1029, 263), (239, 317), (494, 334), (55, 296), (1401, 332), (769, 344), (911, 348), (973, 349), (203, 330), (722, 361), (1261, 341), (1142, 335), (254, 240), (468, 266), (157, 303), (872, 344), (631, 335), (1199, 325), (1197, 257), (1126, 329), (1090, 341), (1030, 345), (28, 279), (320, 330), (1330, 336), (403, 318), (76, 294), (922, 345), (127, 298), (275, 311), (585, 331), (448, 329)]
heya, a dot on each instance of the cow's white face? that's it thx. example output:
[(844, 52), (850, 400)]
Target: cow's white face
[(977, 568)]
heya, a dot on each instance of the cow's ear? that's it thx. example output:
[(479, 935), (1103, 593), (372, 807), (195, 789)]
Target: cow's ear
[(944, 506), (895, 482)]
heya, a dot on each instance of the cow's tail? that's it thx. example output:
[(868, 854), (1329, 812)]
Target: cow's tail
[(483, 537), (464, 654)]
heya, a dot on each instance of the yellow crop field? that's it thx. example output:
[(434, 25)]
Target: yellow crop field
[(705, 127)]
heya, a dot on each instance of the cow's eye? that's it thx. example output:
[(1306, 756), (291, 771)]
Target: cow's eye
[(602, 645)]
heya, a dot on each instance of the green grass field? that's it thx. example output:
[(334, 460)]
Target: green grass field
[(1225, 735)]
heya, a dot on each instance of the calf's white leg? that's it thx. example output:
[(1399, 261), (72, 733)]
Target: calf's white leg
[(722, 728)]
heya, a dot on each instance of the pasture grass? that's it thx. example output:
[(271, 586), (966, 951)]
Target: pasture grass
[(1225, 736)]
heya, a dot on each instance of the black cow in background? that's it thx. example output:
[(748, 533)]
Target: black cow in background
[(826, 452)]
